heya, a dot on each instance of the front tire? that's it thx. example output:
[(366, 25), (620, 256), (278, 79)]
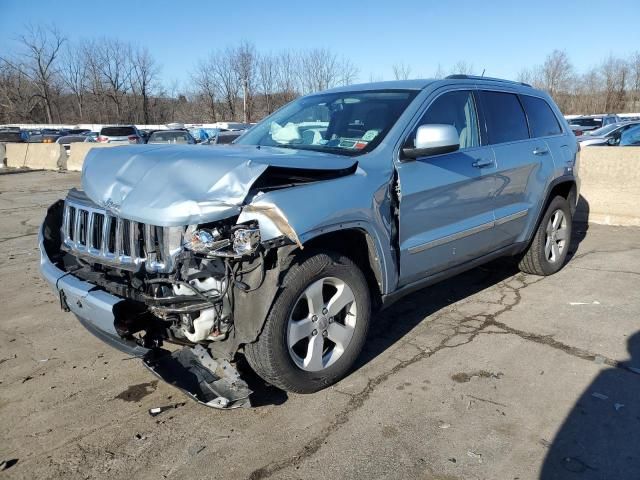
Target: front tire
[(547, 252), (317, 325)]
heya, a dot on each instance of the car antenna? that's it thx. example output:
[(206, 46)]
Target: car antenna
[(483, 70)]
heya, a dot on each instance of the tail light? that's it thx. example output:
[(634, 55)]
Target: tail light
[(133, 138), (102, 139), (578, 132), (47, 140)]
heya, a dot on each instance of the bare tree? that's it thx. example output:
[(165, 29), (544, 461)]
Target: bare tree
[(207, 89), (75, 75), (268, 79), (401, 71), (439, 73), (348, 72), (462, 68), (114, 67), (244, 63), (41, 46), (287, 68), (634, 81), (557, 72), (143, 79)]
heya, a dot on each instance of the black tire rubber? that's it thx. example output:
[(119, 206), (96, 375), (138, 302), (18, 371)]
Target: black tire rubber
[(534, 260), (269, 355)]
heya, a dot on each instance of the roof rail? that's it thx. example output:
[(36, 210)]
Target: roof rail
[(459, 76)]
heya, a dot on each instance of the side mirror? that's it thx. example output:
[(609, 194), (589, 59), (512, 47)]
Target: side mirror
[(434, 139)]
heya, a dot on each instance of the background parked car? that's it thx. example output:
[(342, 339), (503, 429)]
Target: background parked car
[(226, 137), (120, 134), (67, 140), (629, 138), (14, 135), (591, 122), (171, 136), (47, 135), (605, 135)]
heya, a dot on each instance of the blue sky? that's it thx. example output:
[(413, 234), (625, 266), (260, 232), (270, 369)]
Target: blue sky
[(500, 37)]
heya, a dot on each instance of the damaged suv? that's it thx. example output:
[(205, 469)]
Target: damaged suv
[(282, 245)]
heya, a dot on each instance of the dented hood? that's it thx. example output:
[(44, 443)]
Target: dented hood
[(172, 185)]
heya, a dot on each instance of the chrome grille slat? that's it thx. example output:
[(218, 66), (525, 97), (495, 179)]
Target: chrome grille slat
[(92, 233)]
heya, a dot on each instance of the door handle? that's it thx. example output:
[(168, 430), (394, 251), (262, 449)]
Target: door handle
[(540, 151), (480, 163)]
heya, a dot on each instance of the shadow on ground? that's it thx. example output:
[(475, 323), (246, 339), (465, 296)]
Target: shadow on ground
[(600, 436)]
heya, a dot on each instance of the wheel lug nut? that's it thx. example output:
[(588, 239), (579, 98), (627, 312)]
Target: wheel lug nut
[(324, 311), (324, 333), (314, 333), (330, 319), (314, 318)]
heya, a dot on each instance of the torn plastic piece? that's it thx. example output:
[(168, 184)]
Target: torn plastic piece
[(158, 410), (211, 382), (275, 216), (601, 396)]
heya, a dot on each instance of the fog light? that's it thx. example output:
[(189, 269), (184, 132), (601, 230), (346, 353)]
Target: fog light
[(246, 240)]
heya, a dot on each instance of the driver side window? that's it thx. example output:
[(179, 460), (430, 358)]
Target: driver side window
[(458, 109)]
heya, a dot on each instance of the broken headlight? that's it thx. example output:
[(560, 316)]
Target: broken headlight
[(245, 240), (206, 241), (237, 241)]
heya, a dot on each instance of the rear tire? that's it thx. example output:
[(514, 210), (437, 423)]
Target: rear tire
[(317, 325), (547, 252)]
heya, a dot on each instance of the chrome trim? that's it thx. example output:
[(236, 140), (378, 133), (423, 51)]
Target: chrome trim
[(470, 231), (511, 217), (80, 239), (450, 238)]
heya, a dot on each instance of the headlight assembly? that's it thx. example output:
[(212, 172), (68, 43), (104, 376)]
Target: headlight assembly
[(246, 240)]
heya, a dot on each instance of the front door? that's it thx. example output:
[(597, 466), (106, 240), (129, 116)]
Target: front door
[(446, 201)]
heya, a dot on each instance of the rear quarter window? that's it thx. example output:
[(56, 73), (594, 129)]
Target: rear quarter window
[(118, 131), (504, 117), (542, 120)]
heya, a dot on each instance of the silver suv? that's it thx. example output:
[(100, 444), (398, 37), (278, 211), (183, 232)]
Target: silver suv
[(282, 245), (120, 134)]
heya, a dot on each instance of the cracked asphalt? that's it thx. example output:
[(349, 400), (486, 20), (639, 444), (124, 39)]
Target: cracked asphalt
[(491, 374)]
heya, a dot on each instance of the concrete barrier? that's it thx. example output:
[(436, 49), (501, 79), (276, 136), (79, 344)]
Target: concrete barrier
[(610, 185), (47, 156), (77, 153)]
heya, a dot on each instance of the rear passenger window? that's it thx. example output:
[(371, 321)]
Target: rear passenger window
[(541, 118), (504, 116)]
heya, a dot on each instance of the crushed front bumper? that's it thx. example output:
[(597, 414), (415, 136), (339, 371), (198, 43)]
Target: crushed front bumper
[(93, 307), (208, 381)]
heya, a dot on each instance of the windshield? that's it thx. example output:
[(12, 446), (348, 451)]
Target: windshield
[(604, 130), (348, 123)]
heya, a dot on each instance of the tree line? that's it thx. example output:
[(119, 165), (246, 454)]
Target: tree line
[(51, 79)]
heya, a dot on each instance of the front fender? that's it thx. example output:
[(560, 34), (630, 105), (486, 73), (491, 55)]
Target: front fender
[(306, 211)]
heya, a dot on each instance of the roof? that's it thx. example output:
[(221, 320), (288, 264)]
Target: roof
[(389, 85), (420, 84)]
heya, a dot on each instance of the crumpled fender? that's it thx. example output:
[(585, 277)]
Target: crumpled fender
[(306, 211)]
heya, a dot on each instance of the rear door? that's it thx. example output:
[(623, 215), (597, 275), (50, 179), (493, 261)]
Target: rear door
[(446, 201), (519, 161)]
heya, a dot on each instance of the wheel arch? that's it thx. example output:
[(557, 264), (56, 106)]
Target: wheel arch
[(356, 243), (566, 187)]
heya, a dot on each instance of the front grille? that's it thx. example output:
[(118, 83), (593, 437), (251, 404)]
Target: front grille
[(95, 235)]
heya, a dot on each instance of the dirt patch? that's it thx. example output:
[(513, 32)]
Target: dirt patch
[(135, 393), (464, 377)]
